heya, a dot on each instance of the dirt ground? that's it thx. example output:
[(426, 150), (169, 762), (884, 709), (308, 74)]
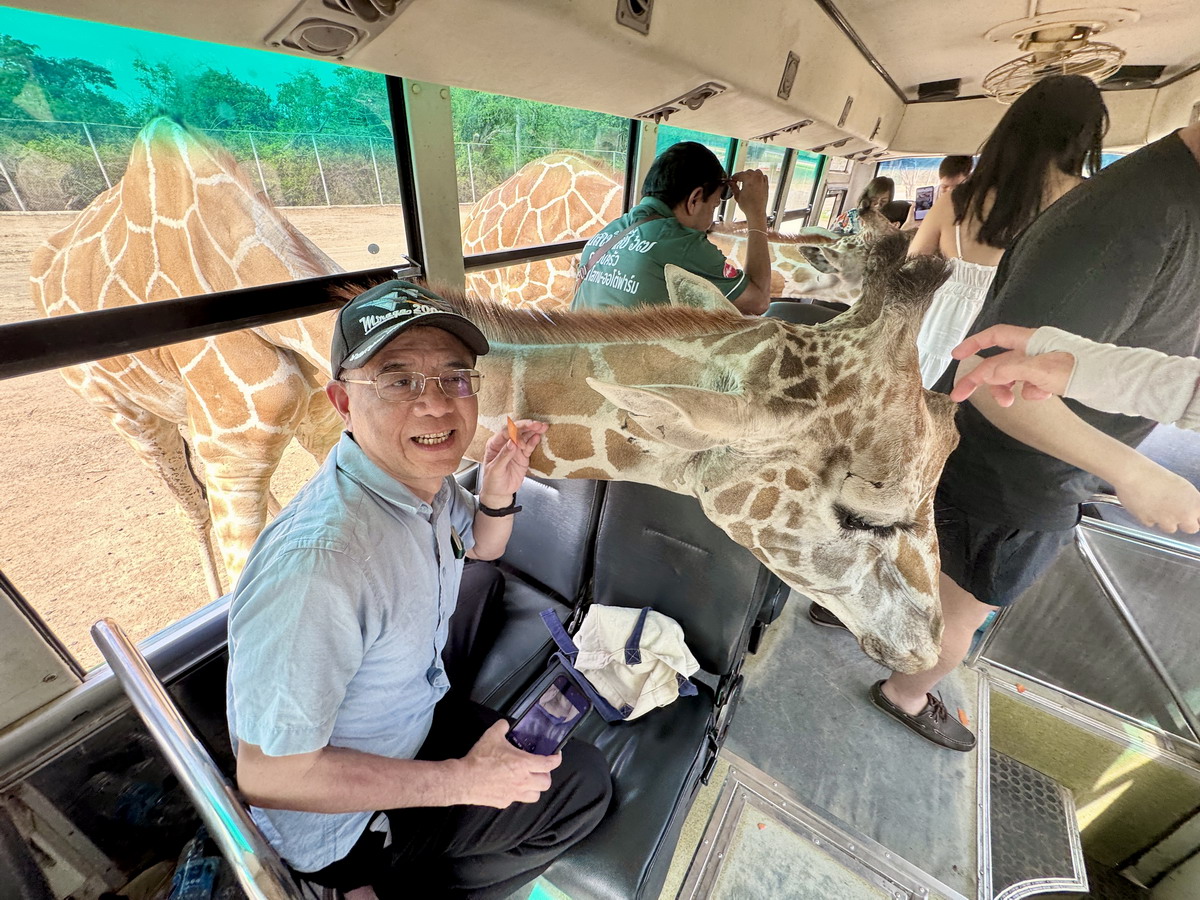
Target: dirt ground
[(85, 530)]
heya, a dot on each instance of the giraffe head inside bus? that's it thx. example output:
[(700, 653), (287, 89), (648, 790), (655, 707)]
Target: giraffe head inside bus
[(815, 447)]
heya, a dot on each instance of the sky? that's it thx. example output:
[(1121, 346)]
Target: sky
[(116, 48)]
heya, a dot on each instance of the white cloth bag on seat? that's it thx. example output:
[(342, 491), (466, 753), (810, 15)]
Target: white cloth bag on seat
[(635, 658)]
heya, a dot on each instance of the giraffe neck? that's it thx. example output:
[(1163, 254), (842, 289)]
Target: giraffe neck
[(591, 437)]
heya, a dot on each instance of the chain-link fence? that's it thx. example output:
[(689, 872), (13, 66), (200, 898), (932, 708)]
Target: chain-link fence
[(65, 165)]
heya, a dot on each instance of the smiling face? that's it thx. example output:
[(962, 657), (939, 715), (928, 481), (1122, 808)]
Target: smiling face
[(417, 442)]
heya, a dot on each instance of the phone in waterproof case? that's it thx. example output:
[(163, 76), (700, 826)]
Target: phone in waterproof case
[(544, 725), (924, 201)]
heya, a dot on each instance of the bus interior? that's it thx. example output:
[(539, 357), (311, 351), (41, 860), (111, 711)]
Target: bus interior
[(393, 136)]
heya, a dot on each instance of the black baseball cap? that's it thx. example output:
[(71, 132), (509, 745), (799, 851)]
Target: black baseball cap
[(374, 317)]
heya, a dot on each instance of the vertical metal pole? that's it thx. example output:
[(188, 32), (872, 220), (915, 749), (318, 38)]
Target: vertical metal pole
[(639, 156), (375, 165), (320, 168), (430, 132), (99, 162), (258, 165), (12, 187), (786, 170)]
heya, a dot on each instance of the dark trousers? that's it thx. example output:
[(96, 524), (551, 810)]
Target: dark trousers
[(475, 851)]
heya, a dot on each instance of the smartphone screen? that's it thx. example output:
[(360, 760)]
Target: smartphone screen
[(545, 726), (924, 201)]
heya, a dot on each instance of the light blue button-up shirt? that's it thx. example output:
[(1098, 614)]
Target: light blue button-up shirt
[(336, 631)]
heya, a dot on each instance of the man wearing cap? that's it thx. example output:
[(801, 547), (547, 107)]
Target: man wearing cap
[(342, 642), (623, 266)]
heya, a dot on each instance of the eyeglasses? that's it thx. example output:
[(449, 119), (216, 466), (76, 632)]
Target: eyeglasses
[(728, 194), (400, 387)]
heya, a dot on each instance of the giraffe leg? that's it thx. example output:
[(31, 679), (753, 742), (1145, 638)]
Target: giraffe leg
[(162, 449), (273, 505)]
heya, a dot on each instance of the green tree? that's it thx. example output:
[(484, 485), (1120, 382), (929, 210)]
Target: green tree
[(207, 99), (33, 86)]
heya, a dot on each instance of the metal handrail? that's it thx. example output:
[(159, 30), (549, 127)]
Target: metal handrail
[(258, 868), (1113, 595), (1135, 630)]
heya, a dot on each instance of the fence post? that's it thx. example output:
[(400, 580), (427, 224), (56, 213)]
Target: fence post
[(103, 172), (320, 168), (471, 171), (258, 165), (12, 187), (378, 185)]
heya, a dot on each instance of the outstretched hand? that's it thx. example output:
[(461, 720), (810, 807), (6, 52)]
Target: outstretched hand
[(1044, 375), (506, 462)]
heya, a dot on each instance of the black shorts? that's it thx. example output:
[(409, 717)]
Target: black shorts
[(996, 564)]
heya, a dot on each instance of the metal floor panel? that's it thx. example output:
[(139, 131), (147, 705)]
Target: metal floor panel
[(762, 842), (1035, 839), (806, 719)]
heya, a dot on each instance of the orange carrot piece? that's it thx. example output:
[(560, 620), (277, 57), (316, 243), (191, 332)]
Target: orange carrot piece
[(962, 717), (513, 434), (1020, 688)]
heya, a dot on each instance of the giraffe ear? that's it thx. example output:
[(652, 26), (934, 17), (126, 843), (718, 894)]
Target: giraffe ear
[(686, 289), (685, 417)]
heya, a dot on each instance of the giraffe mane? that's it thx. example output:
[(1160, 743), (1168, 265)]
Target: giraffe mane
[(505, 325), (894, 279), (741, 230)]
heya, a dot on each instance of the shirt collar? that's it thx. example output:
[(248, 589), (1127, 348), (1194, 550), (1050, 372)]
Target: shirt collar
[(654, 205), (351, 460)]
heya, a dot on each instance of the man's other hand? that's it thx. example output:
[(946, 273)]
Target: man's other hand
[(751, 190), (497, 774)]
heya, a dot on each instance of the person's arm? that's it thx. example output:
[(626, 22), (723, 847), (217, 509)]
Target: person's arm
[(750, 190), (927, 240), (1156, 496), (505, 465), (1135, 381), (339, 780)]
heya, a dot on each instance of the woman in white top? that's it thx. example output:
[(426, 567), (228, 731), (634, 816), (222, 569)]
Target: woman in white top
[(1036, 154)]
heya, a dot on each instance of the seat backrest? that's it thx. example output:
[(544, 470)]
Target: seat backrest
[(800, 313), (658, 549), (554, 532), (259, 870)]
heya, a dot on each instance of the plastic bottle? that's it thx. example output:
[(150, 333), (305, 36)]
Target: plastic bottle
[(197, 871)]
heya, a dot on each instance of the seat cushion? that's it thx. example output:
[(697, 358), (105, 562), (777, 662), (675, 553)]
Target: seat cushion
[(522, 646), (656, 763)]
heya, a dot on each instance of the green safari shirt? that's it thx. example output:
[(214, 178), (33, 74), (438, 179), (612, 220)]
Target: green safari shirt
[(632, 272)]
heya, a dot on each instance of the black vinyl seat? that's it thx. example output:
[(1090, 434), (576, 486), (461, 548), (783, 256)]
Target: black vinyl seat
[(547, 565), (657, 549), (802, 313)]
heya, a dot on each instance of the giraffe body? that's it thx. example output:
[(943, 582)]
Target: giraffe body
[(560, 197), (183, 221)]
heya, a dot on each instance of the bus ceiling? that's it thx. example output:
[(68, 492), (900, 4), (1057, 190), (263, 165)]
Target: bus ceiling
[(844, 77)]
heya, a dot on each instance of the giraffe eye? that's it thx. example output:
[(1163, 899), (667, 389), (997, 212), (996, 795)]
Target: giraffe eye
[(853, 522)]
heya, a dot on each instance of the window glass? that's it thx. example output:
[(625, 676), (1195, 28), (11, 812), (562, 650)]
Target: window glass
[(804, 180), (534, 173), (911, 173), (669, 135), (87, 529), (769, 159)]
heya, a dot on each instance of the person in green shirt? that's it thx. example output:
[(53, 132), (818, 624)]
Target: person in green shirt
[(623, 265)]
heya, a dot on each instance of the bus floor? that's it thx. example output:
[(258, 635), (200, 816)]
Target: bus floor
[(820, 795)]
